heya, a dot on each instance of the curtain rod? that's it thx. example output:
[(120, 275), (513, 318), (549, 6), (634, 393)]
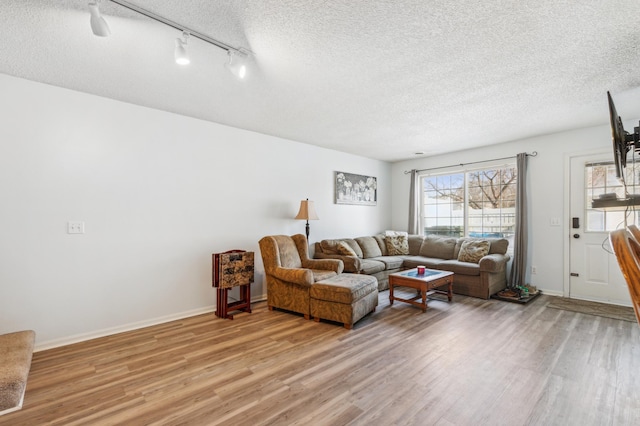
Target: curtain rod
[(533, 154)]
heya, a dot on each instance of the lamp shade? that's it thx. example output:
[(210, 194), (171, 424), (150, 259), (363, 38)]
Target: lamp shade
[(307, 211)]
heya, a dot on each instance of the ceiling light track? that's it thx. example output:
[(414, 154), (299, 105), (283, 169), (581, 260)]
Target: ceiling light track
[(236, 55), (179, 27)]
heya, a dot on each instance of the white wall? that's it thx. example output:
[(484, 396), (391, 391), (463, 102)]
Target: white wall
[(158, 193), (546, 183)]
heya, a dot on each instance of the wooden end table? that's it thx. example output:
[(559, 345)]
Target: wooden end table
[(426, 284)]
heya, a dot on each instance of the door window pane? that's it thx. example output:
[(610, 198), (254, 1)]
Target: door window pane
[(600, 178)]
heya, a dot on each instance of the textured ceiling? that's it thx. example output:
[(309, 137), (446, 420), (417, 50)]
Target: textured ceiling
[(380, 78)]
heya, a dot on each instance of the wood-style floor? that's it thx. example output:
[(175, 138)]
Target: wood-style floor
[(470, 362)]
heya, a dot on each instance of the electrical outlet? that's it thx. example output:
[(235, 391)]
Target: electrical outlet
[(534, 270), (75, 227)]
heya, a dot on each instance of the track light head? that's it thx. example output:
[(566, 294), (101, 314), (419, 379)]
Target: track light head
[(98, 25), (180, 52), (237, 64)]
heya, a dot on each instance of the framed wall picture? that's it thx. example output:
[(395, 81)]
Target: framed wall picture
[(356, 189)]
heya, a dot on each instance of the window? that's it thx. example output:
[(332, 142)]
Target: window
[(478, 203), (600, 178)]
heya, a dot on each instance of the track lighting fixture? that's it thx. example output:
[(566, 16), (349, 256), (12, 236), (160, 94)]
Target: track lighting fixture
[(98, 25), (180, 53), (236, 64), (236, 55)]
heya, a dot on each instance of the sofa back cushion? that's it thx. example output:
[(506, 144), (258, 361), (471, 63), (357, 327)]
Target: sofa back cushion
[(383, 246), (438, 247), (415, 242), (369, 246)]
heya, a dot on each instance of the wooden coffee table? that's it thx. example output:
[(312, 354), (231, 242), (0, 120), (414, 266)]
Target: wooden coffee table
[(426, 284)]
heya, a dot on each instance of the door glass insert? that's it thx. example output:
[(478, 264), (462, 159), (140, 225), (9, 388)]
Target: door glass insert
[(600, 178)]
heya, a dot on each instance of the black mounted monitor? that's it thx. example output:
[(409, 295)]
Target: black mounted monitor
[(622, 140), (618, 134)]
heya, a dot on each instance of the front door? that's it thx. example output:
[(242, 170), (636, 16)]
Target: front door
[(593, 267)]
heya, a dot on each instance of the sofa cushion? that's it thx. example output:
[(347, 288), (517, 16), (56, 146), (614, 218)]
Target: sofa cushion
[(429, 262), (287, 251), (321, 274), (381, 244), (369, 247), (396, 244), (437, 246), (473, 250), (370, 266), (415, 242), (391, 262), (498, 245), (344, 288), (462, 268), (345, 249), (354, 245), (456, 250)]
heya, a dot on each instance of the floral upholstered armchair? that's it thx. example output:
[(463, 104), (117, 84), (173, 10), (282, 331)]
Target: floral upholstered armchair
[(290, 272)]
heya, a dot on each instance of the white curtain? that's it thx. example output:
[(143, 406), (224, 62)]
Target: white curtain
[(518, 266), (414, 196)]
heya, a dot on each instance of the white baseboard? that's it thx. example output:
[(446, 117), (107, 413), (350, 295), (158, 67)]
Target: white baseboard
[(120, 329), (50, 344), (551, 292)]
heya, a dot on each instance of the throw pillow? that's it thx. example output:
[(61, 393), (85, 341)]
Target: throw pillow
[(345, 249), (396, 244), (394, 233), (330, 246), (473, 250)]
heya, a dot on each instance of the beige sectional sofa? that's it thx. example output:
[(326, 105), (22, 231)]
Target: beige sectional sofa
[(370, 255)]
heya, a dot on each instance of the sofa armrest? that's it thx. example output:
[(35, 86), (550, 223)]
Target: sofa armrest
[(335, 265), (350, 263), (300, 276), (494, 262)]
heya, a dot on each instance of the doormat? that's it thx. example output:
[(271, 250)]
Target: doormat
[(506, 297), (593, 308)]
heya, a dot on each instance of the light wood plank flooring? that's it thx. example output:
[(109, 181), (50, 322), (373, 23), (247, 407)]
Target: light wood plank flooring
[(470, 362)]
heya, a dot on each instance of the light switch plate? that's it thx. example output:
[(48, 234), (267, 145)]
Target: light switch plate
[(74, 227)]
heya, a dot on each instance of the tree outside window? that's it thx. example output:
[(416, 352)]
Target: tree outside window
[(479, 203)]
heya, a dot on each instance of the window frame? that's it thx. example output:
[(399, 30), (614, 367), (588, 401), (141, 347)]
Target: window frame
[(465, 171), (610, 220)]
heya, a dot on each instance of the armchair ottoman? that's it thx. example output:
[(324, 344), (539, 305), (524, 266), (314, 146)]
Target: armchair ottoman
[(344, 298)]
